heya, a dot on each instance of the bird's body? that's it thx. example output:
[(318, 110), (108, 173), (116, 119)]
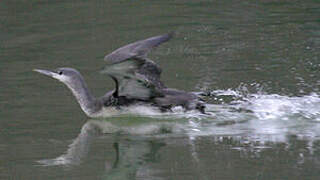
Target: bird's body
[(137, 81)]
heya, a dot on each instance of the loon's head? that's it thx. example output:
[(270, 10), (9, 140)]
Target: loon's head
[(65, 75)]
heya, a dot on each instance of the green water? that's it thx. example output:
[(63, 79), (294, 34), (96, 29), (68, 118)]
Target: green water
[(261, 56)]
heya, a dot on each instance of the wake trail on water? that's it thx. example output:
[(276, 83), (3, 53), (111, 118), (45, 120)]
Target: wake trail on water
[(260, 116), (273, 106)]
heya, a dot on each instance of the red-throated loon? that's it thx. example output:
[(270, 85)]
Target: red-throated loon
[(137, 81)]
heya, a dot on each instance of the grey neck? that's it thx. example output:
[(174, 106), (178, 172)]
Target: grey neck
[(88, 103)]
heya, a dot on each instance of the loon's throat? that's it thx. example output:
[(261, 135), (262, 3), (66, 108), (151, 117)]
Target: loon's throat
[(88, 103)]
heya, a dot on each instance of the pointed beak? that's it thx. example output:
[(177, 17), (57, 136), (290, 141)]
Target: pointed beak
[(46, 72)]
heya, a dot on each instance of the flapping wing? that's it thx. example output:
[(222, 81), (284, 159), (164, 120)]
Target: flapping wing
[(136, 49), (136, 76)]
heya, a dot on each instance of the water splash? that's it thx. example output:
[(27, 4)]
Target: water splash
[(284, 107)]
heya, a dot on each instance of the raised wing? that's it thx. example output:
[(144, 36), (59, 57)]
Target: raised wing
[(137, 49), (136, 76)]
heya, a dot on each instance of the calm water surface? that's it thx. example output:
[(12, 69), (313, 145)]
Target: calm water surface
[(259, 60)]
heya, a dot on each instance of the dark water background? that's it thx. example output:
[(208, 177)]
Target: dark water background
[(260, 59)]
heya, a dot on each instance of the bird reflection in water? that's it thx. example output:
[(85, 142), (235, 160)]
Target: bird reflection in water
[(131, 153)]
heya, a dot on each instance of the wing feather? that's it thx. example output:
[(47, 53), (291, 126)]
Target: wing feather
[(137, 77), (136, 49)]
